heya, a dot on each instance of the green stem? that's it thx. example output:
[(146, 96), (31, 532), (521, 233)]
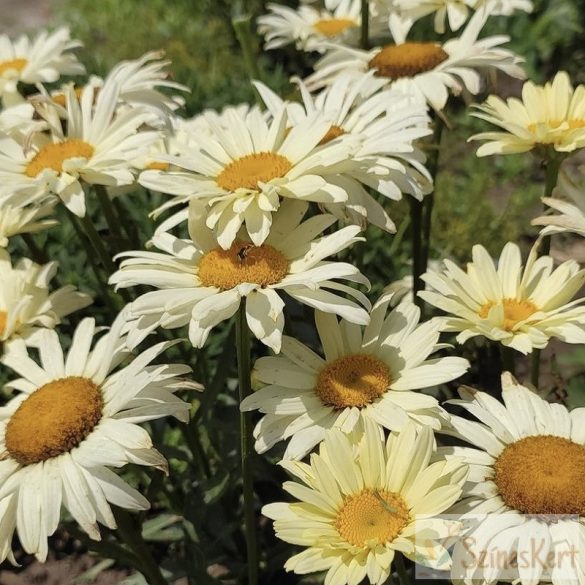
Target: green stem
[(429, 200), (243, 28), (365, 32), (401, 570), (92, 262), (110, 214), (246, 442), (508, 357), (132, 538), (97, 244), (38, 255), (416, 209), (553, 166)]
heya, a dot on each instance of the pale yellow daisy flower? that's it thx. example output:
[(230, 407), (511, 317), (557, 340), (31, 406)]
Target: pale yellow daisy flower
[(524, 496), (520, 307), (375, 372), (550, 116), (362, 500)]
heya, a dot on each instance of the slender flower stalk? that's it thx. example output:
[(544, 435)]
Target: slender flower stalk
[(243, 30), (365, 26), (416, 219), (552, 166), (246, 442), (131, 536), (111, 216)]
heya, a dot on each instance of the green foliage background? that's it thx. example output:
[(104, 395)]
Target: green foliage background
[(194, 522)]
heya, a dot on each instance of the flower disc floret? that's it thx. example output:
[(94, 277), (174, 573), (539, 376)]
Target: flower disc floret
[(331, 27), (407, 60), (53, 156), (542, 475), (371, 516), (62, 414), (242, 263), (353, 380), (12, 65), (246, 172)]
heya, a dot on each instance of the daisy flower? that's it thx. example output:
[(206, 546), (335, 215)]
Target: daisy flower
[(455, 12), (506, 7), (569, 201), (385, 124), (426, 69), (92, 146), (72, 419), (550, 116), (362, 500), (525, 485), (26, 306), (375, 372), (18, 217), (17, 121), (243, 171), (520, 307), (307, 26), (42, 60), (139, 81), (203, 284)]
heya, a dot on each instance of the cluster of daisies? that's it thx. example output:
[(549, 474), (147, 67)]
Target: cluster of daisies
[(258, 203)]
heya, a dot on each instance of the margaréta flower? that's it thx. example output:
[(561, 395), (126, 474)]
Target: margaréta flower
[(73, 418), (202, 284), (373, 372), (362, 500), (550, 116), (520, 307), (524, 494)]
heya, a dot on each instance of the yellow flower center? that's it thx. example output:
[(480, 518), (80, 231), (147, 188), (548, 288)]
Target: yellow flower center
[(542, 475), (53, 420), (514, 311), (3, 319), (242, 262), (158, 166), (371, 517), (333, 133), (13, 64), (59, 98), (407, 60), (52, 156), (331, 27), (352, 380), (246, 172)]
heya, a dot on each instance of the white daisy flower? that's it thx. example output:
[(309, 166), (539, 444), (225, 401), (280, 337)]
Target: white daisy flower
[(569, 201), (72, 419), (139, 81), (386, 125), (525, 487), (374, 372), (520, 307), (92, 146), (549, 116), (307, 26), (455, 12), (17, 121), (42, 60), (18, 217), (203, 284), (360, 501), (242, 172), (26, 306), (426, 69)]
